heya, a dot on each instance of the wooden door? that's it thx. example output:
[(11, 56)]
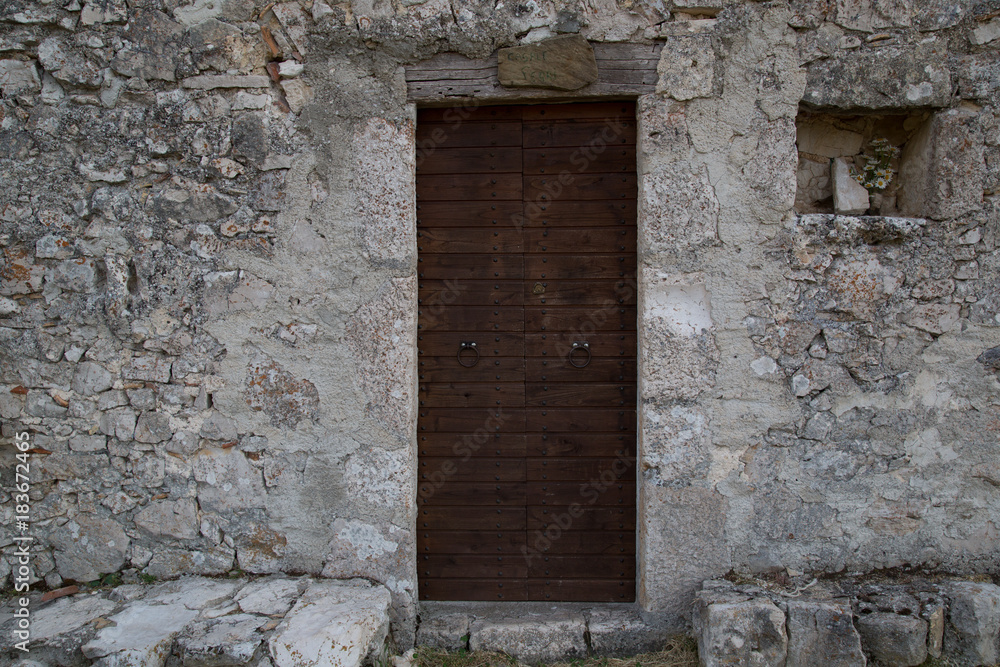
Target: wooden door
[(526, 242)]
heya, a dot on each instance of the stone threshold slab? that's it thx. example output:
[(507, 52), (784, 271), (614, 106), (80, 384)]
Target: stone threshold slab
[(535, 632)]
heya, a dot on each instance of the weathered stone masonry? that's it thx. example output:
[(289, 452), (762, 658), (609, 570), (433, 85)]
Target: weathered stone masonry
[(208, 294)]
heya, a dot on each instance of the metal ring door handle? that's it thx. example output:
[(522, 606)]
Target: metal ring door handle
[(471, 345), (573, 359)]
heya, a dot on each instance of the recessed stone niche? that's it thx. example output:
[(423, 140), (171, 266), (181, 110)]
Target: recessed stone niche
[(825, 139)]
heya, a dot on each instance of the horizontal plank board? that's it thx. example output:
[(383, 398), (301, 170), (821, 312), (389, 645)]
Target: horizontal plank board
[(580, 444), (580, 469), (473, 443), (482, 187), (472, 494), (572, 394), (467, 135), (485, 542), (570, 132), (584, 493), (470, 318), (471, 420), (470, 394), (578, 267), (471, 267), (621, 567), (578, 517), (433, 294), (558, 420), (472, 590), (584, 319), (495, 214), (471, 518), (570, 213), (600, 369), (578, 187), (447, 369), (580, 590), (575, 240), (468, 160), (573, 542), (489, 344), (580, 292), (579, 160), (451, 91), (464, 566), (476, 469), (470, 240), (560, 344)]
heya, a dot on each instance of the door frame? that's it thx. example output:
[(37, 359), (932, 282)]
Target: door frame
[(643, 599)]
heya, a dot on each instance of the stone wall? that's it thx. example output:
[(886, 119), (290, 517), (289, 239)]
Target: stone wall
[(207, 287)]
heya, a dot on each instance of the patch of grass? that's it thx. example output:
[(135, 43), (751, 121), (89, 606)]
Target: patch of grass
[(146, 578), (681, 651)]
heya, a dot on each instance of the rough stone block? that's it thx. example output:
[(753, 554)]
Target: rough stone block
[(972, 633), (153, 427), (335, 624), (17, 76), (170, 562), (149, 368), (91, 378), (88, 546), (687, 67), (532, 637), (893, 639), (849, 196), (822, 633), (678, 546), (172, 518), (942, 167), (751, 632), (935, 318), (227, 481), (888, 78)]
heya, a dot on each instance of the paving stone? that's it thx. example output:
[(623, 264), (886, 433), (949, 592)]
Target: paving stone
[(271, 597), (334, 623)]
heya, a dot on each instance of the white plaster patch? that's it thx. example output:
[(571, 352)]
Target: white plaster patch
[(925, 448), (683, 303), (366, 540)]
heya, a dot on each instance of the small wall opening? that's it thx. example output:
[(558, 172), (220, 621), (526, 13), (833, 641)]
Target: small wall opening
[(850, 164)]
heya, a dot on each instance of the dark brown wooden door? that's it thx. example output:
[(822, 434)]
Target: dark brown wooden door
[(526, 242)]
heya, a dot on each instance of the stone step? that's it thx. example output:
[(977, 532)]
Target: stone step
[(200, 622), (542, 632)]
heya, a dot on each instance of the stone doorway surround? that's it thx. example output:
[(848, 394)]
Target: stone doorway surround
[(677, 206)]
